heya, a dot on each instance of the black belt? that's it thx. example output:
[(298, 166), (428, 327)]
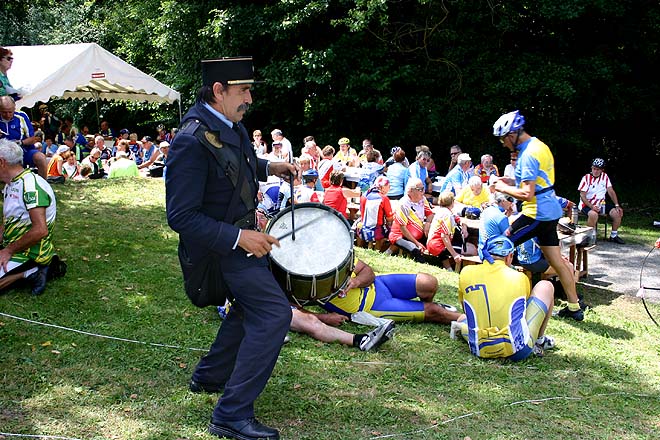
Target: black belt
[(545, 190)]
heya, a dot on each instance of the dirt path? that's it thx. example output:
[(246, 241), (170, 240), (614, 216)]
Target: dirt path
[(618, 268)]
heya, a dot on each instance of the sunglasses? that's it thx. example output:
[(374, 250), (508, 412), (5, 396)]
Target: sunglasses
[(502, 138), (419, 189), (9, 58)]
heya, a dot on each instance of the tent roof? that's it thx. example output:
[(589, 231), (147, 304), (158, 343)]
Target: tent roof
[(85, 71)]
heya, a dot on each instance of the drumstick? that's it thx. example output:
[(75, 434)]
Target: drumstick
[(293, 227), (292, 232)]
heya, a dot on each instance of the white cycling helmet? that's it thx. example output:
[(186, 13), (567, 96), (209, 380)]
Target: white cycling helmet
[(598, 162), (507, 123)]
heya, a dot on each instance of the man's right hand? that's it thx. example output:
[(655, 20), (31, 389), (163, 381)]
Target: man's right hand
[(5, 256), (257, 243), (283, 170), (333, 319)]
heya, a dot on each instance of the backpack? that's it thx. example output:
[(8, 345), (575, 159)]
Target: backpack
[(370, 216)]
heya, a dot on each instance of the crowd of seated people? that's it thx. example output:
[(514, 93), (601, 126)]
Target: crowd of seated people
[(60, 151), (392, 199), (73, 154), (399, 208), (396, 217)]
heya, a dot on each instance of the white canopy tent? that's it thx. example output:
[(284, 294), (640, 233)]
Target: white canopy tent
[(84, 71)]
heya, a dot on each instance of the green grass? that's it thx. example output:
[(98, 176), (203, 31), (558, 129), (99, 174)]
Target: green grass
[(124, 281)]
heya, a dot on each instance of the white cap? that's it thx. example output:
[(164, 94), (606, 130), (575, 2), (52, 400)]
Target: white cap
[(463, 157)]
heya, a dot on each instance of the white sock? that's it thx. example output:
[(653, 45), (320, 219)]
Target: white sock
[(29, 272), (614, 234)]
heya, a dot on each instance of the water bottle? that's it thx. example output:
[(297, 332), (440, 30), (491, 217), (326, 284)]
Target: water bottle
[(574, 217)]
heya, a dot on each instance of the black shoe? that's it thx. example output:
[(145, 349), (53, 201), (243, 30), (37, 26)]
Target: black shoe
[(583, 305), (199, 387), (377, 336), (616, 239), (577, 315), (447, 307), (56, 268), (246, 429), (417, 256), (38, 280)]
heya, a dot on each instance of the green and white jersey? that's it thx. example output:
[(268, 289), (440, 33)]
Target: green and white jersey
[(28, 191)]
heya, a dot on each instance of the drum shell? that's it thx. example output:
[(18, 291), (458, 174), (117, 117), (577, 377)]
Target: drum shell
[(318, 288), (300, 288)]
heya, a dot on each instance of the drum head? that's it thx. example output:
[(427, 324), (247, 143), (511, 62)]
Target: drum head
[(322, 240)]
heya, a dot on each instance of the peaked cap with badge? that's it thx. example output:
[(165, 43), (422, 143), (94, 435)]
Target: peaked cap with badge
[(228, 70)]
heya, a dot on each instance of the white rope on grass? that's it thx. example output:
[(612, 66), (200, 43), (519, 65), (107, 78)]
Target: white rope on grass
[(101, 336), (520, 402), (7, 434), (186, 348)]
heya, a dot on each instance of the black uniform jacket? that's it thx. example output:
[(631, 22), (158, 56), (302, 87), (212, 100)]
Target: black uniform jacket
[(198, 191)]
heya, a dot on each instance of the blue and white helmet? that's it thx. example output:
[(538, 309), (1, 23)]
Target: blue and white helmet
[(507, 123), (598, 162), (500, 246)]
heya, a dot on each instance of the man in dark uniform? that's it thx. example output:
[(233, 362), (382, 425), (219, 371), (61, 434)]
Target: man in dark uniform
[(209, 161)]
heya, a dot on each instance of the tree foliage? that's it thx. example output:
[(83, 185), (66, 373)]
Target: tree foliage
[(437, 72)]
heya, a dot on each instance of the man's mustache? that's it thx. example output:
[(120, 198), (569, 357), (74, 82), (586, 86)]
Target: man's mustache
[(243, 107)]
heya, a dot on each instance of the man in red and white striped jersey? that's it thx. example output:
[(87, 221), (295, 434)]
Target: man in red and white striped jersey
[(593, 190)]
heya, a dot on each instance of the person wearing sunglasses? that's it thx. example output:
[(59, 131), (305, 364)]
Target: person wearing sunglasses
[(412, 221), (454, 151), (509, 170), (6, 60), (534, 186)]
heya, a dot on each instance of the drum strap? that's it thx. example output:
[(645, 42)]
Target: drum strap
[(231, 163)]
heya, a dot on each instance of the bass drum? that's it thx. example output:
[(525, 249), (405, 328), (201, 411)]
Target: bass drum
[(315, 266)]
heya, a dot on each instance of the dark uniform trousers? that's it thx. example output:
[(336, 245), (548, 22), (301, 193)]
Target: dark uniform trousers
[(248, 343)]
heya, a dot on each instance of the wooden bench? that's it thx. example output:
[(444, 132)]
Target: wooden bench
[(580, 266), (582, 261), (603, 219), (467, 261)]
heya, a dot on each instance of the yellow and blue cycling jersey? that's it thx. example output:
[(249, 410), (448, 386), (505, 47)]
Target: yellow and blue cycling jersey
[(502, 321), (536, 164), (391, 296)]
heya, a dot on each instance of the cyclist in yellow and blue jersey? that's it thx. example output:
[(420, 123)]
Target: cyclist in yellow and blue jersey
[(397, 296), (503, 319), (534, 185)]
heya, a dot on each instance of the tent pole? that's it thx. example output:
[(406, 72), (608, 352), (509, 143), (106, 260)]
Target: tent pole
[(95, 95), (180, 116), (98, 120)]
